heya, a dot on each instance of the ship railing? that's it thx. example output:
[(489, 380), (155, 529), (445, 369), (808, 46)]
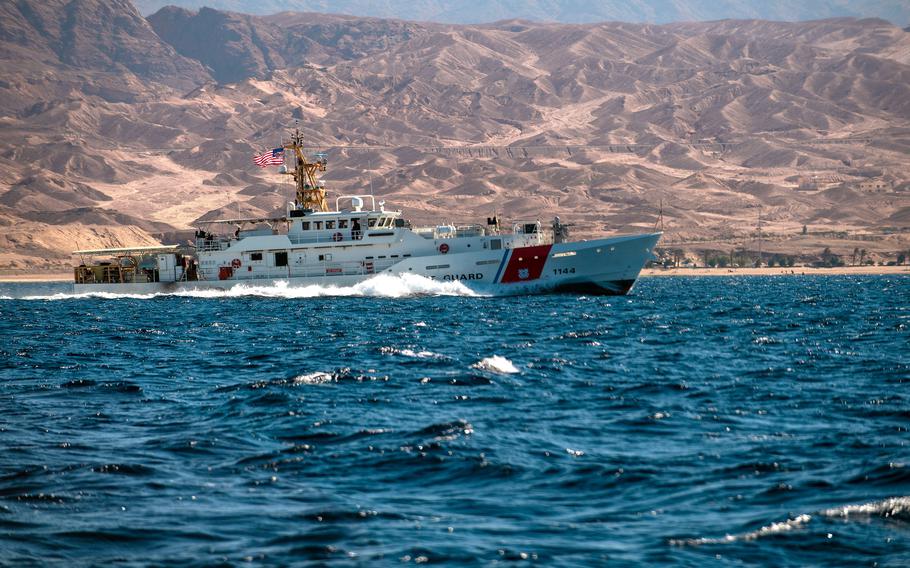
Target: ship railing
[(211, 245), (428, 233), (451, 231), (323, 269), (114, 274), (470, 231)]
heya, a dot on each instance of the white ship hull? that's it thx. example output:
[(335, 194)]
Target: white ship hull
[(602, 266)]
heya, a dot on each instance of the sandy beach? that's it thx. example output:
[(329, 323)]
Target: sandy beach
[(36, 277), (777, 271)]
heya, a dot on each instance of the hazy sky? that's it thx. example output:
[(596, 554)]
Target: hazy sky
[(475, 11)]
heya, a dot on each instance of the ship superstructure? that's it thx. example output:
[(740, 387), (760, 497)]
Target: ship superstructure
[(360, 238)]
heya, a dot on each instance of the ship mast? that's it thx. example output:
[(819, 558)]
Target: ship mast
[(310, 194)]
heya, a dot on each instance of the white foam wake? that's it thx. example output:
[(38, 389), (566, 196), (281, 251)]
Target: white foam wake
[(893, 508), (497, 364), (379, 286)]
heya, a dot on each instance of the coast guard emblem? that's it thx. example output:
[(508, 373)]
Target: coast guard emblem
[(523, 273)]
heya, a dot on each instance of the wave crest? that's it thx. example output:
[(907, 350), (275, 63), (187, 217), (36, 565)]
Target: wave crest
[(897, 508), (497, 364), (772, 529), (893, 508)]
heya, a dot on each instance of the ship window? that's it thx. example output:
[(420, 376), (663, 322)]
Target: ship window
[(317, 225), (371, 222), (281, 258), (405, 255), (330, 224), (394, 256), (369, 258), (495, 244), (256, 256), (382, 256), (305, 226), (342, 223), (323, 257)]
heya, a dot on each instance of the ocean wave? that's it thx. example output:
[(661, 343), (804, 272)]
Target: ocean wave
[(894, 508), (411, 353), (897, 508), (772, 529), (379, 286), (496, 364)]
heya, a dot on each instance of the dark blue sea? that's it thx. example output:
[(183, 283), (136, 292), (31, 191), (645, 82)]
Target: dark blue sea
[(758, 421)]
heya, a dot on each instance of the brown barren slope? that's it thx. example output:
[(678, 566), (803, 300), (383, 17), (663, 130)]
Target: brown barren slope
[(156, 120)]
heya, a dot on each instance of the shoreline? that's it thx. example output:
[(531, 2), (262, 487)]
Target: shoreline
[(778, 271), (37, 277), (645, 273)]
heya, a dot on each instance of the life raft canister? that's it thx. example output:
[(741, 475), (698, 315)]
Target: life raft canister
[(337, 237), (443, 248), (235, 264)]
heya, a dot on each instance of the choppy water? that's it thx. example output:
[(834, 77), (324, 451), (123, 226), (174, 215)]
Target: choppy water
[(717, 420)]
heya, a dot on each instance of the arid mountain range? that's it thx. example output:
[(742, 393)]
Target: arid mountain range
[(117, 129)]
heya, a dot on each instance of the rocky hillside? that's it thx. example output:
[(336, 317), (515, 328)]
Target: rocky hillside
[(114, 127)]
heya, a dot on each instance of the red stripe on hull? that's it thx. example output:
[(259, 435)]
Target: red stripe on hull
[(526, 264)]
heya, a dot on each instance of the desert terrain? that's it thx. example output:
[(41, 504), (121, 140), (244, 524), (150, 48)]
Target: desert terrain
[(117, 129)]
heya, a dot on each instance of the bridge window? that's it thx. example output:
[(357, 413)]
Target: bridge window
[(317, 225), (256, 257), (342, 223), (330, 224), (281, 258), (305, 226), (371, 222), (495, 244)]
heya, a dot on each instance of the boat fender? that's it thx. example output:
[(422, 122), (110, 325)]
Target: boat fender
[(337, 237), (443, 248), (235, 264)]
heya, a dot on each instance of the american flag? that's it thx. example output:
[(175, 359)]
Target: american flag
[(273, 158)]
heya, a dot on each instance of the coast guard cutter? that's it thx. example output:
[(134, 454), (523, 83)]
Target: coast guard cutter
[(360, 238)]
